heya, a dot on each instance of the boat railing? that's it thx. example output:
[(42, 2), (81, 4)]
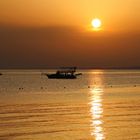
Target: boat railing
[(67, 70)]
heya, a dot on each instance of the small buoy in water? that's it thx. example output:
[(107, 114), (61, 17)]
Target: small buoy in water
[(134, 85), (41, 87), (88, 86), (64, 87)]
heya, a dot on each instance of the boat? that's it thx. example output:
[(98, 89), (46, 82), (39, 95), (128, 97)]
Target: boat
[(64, 73)]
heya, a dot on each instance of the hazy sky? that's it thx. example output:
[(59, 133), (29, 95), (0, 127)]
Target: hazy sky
[(49, 33)]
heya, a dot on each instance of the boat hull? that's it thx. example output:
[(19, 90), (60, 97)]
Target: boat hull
[(56, 76)]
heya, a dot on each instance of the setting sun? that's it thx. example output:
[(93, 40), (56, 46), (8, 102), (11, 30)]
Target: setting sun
[(96, 23)]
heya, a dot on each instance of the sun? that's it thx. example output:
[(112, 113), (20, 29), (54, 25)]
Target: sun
[(96, 23)]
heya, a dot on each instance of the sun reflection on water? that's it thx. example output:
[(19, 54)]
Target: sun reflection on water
[(96, 111)]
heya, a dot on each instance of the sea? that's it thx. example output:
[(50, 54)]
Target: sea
[(98, 105)]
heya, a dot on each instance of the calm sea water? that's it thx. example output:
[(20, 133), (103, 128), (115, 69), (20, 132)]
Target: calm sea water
[(99, 105)]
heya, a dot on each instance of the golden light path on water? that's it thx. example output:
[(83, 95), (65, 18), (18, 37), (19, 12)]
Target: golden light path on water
[(96, 107)]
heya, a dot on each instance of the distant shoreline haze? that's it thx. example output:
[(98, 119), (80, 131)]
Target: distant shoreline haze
[(65, 46), (78, 68)]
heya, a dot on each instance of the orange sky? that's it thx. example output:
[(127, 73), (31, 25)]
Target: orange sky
[(50, 33), (115, 14)]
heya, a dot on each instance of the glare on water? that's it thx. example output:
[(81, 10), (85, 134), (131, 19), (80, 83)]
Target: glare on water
[(96, 109)]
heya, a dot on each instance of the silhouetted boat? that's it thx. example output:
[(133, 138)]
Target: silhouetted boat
[(64, 73), (0, 73)]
